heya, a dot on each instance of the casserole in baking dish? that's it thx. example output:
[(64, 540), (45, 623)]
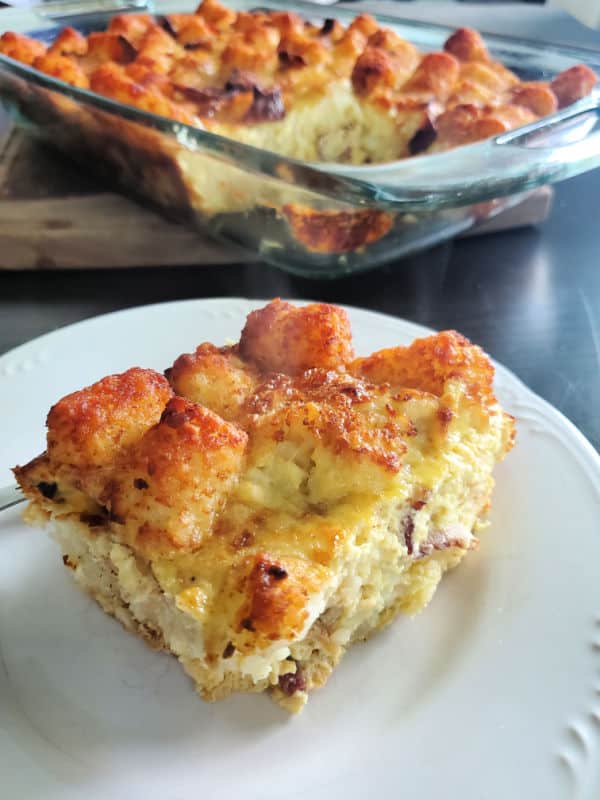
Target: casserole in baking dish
[(214, 115)]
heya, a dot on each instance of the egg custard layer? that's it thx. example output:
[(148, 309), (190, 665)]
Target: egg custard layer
[(262, 506)]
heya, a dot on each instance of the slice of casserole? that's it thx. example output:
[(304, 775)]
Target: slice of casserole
[(266, 504)]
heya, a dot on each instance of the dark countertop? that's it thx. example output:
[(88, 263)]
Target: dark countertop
[(530, 297)]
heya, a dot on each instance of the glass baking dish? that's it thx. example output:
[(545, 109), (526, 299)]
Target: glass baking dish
[(275, 206)]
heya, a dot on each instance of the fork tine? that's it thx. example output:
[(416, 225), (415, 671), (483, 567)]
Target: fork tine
[(10, 496)]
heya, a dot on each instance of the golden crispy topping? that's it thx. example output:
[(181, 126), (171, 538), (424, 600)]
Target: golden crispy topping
[(335, 416), (217, 16), (537, 97), (222, 67), (131, 26), (373, 69), (169, 487), (191, 31), (364, 24), (336, 231), (283, 338), (573, 84), (89, 427), (436, 75), (63, 68), (428, 364), (114, 81), (69, 42), (467, 45), (468, 123), (21, 48), (214, 377)]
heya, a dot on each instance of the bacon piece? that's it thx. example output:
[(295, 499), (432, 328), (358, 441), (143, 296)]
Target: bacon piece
[(241, 99), (267, 106), (423, 138), (443, 540), (292, 682)]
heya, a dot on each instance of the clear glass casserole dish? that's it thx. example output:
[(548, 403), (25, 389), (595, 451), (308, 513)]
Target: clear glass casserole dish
[(272, 205)]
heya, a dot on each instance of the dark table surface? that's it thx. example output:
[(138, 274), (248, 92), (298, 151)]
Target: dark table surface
[(530, 297)]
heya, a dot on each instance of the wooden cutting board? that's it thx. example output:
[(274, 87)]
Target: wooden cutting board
[(53, 215)]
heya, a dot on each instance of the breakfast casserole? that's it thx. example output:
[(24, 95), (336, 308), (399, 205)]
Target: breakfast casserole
[(263, 505), (315, 91)]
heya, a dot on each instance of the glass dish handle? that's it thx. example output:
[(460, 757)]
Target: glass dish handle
[(577, 127)]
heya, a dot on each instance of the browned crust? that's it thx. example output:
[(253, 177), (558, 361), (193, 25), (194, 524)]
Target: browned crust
[(467, 123), (374, 68), (573, 84), (537, 97), (89, 427), (428, 364), (214, 376), (174, 480), (186, 66), (337, 231), (277, 595), (465, 44), (284, 338), (21, 48)]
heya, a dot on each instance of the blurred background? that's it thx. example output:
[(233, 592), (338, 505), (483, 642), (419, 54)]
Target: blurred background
[(586, 11)]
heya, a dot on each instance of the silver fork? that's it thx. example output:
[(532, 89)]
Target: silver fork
[(10, 496)]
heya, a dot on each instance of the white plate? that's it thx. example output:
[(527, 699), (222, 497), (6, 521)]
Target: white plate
[(493, 692)]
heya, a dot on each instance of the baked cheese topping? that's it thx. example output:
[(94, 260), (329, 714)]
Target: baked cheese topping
[(267, 503), (320, 92)]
